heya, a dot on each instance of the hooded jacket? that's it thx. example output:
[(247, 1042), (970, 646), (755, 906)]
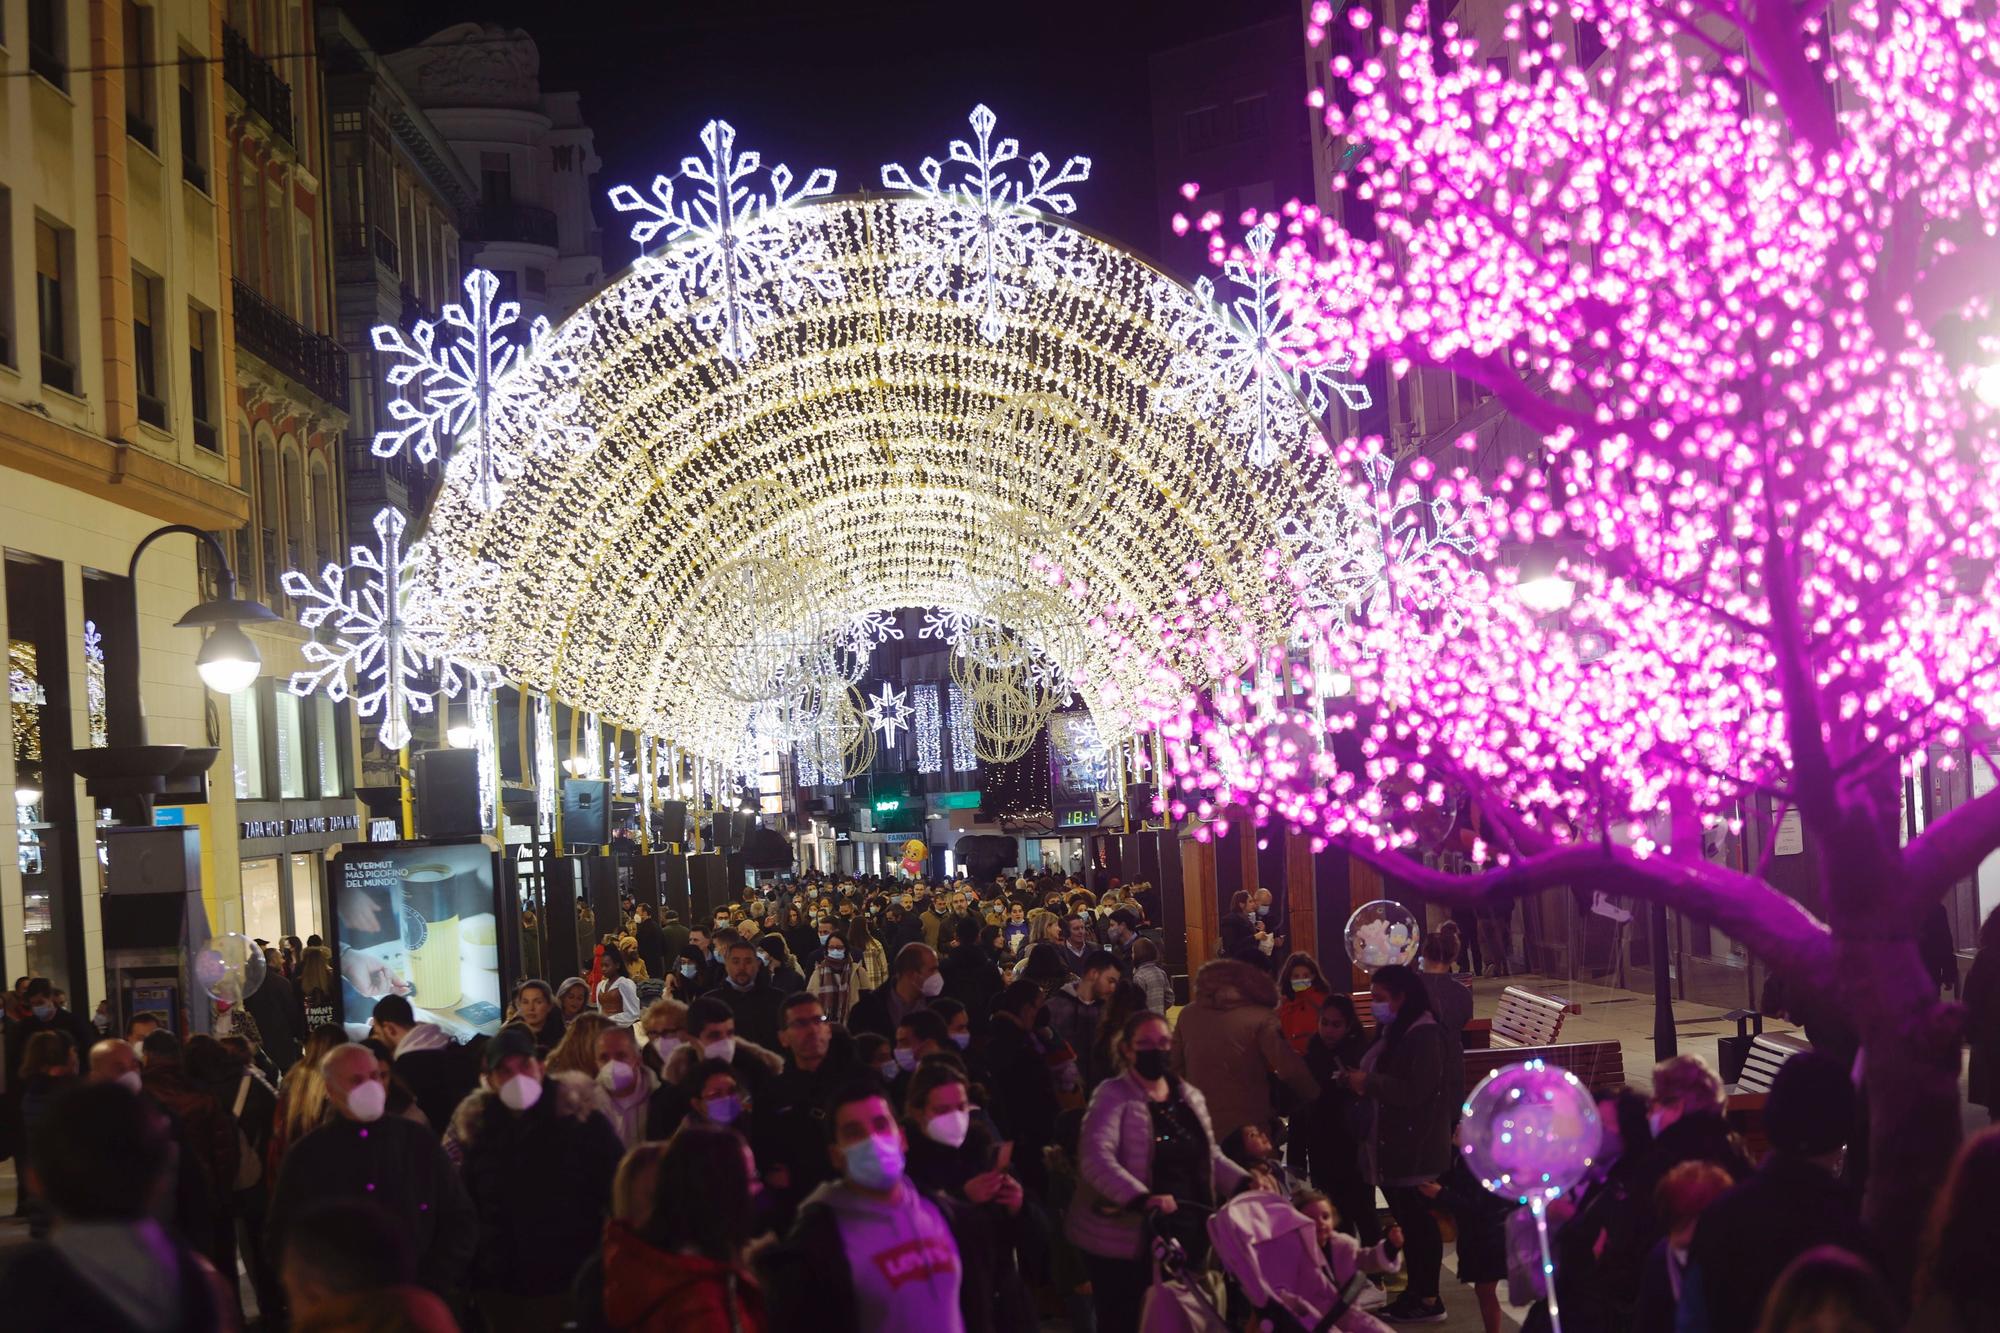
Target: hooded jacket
[(668, 1105), (1229, 1040), (926, 1253), (437, 1071), (540, 1182), (648, 1290)]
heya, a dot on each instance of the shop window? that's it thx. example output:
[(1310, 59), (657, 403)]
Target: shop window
[(326, 746), (305, 896), (262, 915), (247, 739), (291, 745)]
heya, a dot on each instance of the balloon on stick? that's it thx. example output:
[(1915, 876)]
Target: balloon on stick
[(1382, 933)]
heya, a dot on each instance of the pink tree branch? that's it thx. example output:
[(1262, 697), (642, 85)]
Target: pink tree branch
[(1949, 850), (1748, 909)]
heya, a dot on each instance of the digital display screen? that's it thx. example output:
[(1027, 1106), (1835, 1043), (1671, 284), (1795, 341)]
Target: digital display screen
[(419, 920)]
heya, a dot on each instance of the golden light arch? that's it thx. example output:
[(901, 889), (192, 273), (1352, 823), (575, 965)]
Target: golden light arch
[(879, 441)]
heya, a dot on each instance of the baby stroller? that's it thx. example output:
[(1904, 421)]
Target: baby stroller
[(1271, 1254)]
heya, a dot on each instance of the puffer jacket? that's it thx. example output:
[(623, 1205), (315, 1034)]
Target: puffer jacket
[(647, 1290), (1228, 1042), (540, 1182), (1115, 1159), (1412, 1138)]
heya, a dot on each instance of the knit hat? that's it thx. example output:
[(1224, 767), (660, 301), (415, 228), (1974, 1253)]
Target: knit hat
[(1811, 1107), (509, 1041), (578, 982)]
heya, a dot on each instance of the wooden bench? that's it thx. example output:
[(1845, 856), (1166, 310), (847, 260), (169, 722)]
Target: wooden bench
[(1527, 1019), (1743, 1108), (1599, 1065)]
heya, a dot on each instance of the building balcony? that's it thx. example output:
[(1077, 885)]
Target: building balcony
[(281, 342), (257, 82), (517, 222), (367, 240)]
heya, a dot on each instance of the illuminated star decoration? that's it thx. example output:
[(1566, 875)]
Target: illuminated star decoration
[(369, 642), (1248, 359), (989, 225), (729, 246), (1375, 546), (889, 711), (507, 399)]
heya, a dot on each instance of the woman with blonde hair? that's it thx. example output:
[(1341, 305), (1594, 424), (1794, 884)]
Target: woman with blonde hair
[(576, 1053), (302, 1094), (632, 1189)]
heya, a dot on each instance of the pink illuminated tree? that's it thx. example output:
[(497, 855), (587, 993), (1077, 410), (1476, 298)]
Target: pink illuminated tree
[(1736, 275)]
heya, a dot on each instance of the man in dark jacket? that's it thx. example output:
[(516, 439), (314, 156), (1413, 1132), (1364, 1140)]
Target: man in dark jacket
[(537, 1156), (389, 1161), (749, 994), (1075, 1009), (1793, 1203), (205, 1128), (1025, 1105), (275, 1006), (651, 940), (870, 1251), (436, 1069), (970, 976), (914, 980), (788, 1126)]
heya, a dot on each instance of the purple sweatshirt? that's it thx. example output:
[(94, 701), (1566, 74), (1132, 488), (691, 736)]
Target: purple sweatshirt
[(904, 1260)]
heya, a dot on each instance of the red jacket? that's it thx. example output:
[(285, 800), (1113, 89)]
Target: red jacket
[(647, 1290), (1298, 1016)]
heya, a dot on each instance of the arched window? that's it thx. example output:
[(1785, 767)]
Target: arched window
[(270, 508), (326, 546), (298, 539)]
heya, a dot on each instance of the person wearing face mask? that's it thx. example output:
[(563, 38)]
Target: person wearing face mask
[(43, 1014), (915, 983), (627, 1083), (919, 1035), (1323, 1143), (537, 1152), (971, 974), (687, 981), (1023, 1085), (779, 964), (835, 981), (953, 1152), (747, 991), (186, 1207), (390, 1162), (1302, 990), (1239, 930), (871, 1252), (1147, 1146), (1403, 1078), (712, 1035), (663, 1030)]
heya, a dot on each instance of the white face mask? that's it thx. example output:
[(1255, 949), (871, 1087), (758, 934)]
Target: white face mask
[(906, 1059), (723, 1048), (520, 1092), (367, 1101), (129, 1080), (666, 1046), (618, 1077), (934, 985), (962, 1040), (949, 1127)]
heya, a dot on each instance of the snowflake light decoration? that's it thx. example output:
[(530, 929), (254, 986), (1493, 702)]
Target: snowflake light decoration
[(369, 642), (506, 397), (989, 224), (1375, 547), (1247, 360), (929, 729), (731, 247), (889, 711), (947, 626)]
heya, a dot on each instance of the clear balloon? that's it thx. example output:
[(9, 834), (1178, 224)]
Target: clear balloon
[(230, 968), (1381, 933), (1530, 1131)]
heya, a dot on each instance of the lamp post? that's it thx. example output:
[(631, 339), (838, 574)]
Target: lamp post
[(228, 661)]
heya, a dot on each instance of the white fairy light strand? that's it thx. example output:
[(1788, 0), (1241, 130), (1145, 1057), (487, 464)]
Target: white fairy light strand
[(929, 728)]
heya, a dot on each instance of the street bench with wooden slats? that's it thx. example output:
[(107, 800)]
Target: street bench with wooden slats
[(1744, 1106), (1598, 1065), (1527, 1019)]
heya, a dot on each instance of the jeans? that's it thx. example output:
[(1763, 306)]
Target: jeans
[(1423, 1243)]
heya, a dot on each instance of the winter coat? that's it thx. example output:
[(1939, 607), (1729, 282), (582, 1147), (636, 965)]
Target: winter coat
[(879, 1011), (437, 1071), (1239, 940), (1020, 1239), (1158, 988), (1982, 1029), (668, 1105), (39, 1289), (1115, 1159), (1075, 1019), (1412, 1136), (837, 986), (275, 1006), (648, 1290), (1323, 1141), (393, 1164), (652, 944), (973, 979), (540, 1182), (1748, 1236), (1451, 1002), (1228, 1043), (1298, 1016), (756, 1009), (1024, 1103)]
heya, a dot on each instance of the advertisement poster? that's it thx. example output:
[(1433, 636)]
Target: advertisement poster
[(418, 920)]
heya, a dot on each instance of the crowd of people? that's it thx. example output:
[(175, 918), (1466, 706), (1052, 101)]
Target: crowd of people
[(881, 1105)]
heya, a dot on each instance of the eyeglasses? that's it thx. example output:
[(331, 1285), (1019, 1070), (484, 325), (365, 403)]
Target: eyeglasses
[(815, 1021)]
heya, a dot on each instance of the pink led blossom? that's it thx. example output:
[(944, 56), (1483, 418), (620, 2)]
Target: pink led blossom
[(1737, 277)]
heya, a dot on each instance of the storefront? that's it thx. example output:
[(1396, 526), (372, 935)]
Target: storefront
[(284, 865)]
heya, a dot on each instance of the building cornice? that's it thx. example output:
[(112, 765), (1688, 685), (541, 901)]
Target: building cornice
[(117, 473)]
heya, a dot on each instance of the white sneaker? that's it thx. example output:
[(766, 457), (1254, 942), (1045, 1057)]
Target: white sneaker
[(1372, 1298)]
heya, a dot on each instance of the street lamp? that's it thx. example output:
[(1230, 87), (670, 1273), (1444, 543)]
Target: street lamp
[(228, 661)]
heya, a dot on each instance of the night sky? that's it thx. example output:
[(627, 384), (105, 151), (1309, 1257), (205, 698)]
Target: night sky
[(852, 84)]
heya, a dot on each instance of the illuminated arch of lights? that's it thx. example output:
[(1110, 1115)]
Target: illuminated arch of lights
[(686, 508)]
